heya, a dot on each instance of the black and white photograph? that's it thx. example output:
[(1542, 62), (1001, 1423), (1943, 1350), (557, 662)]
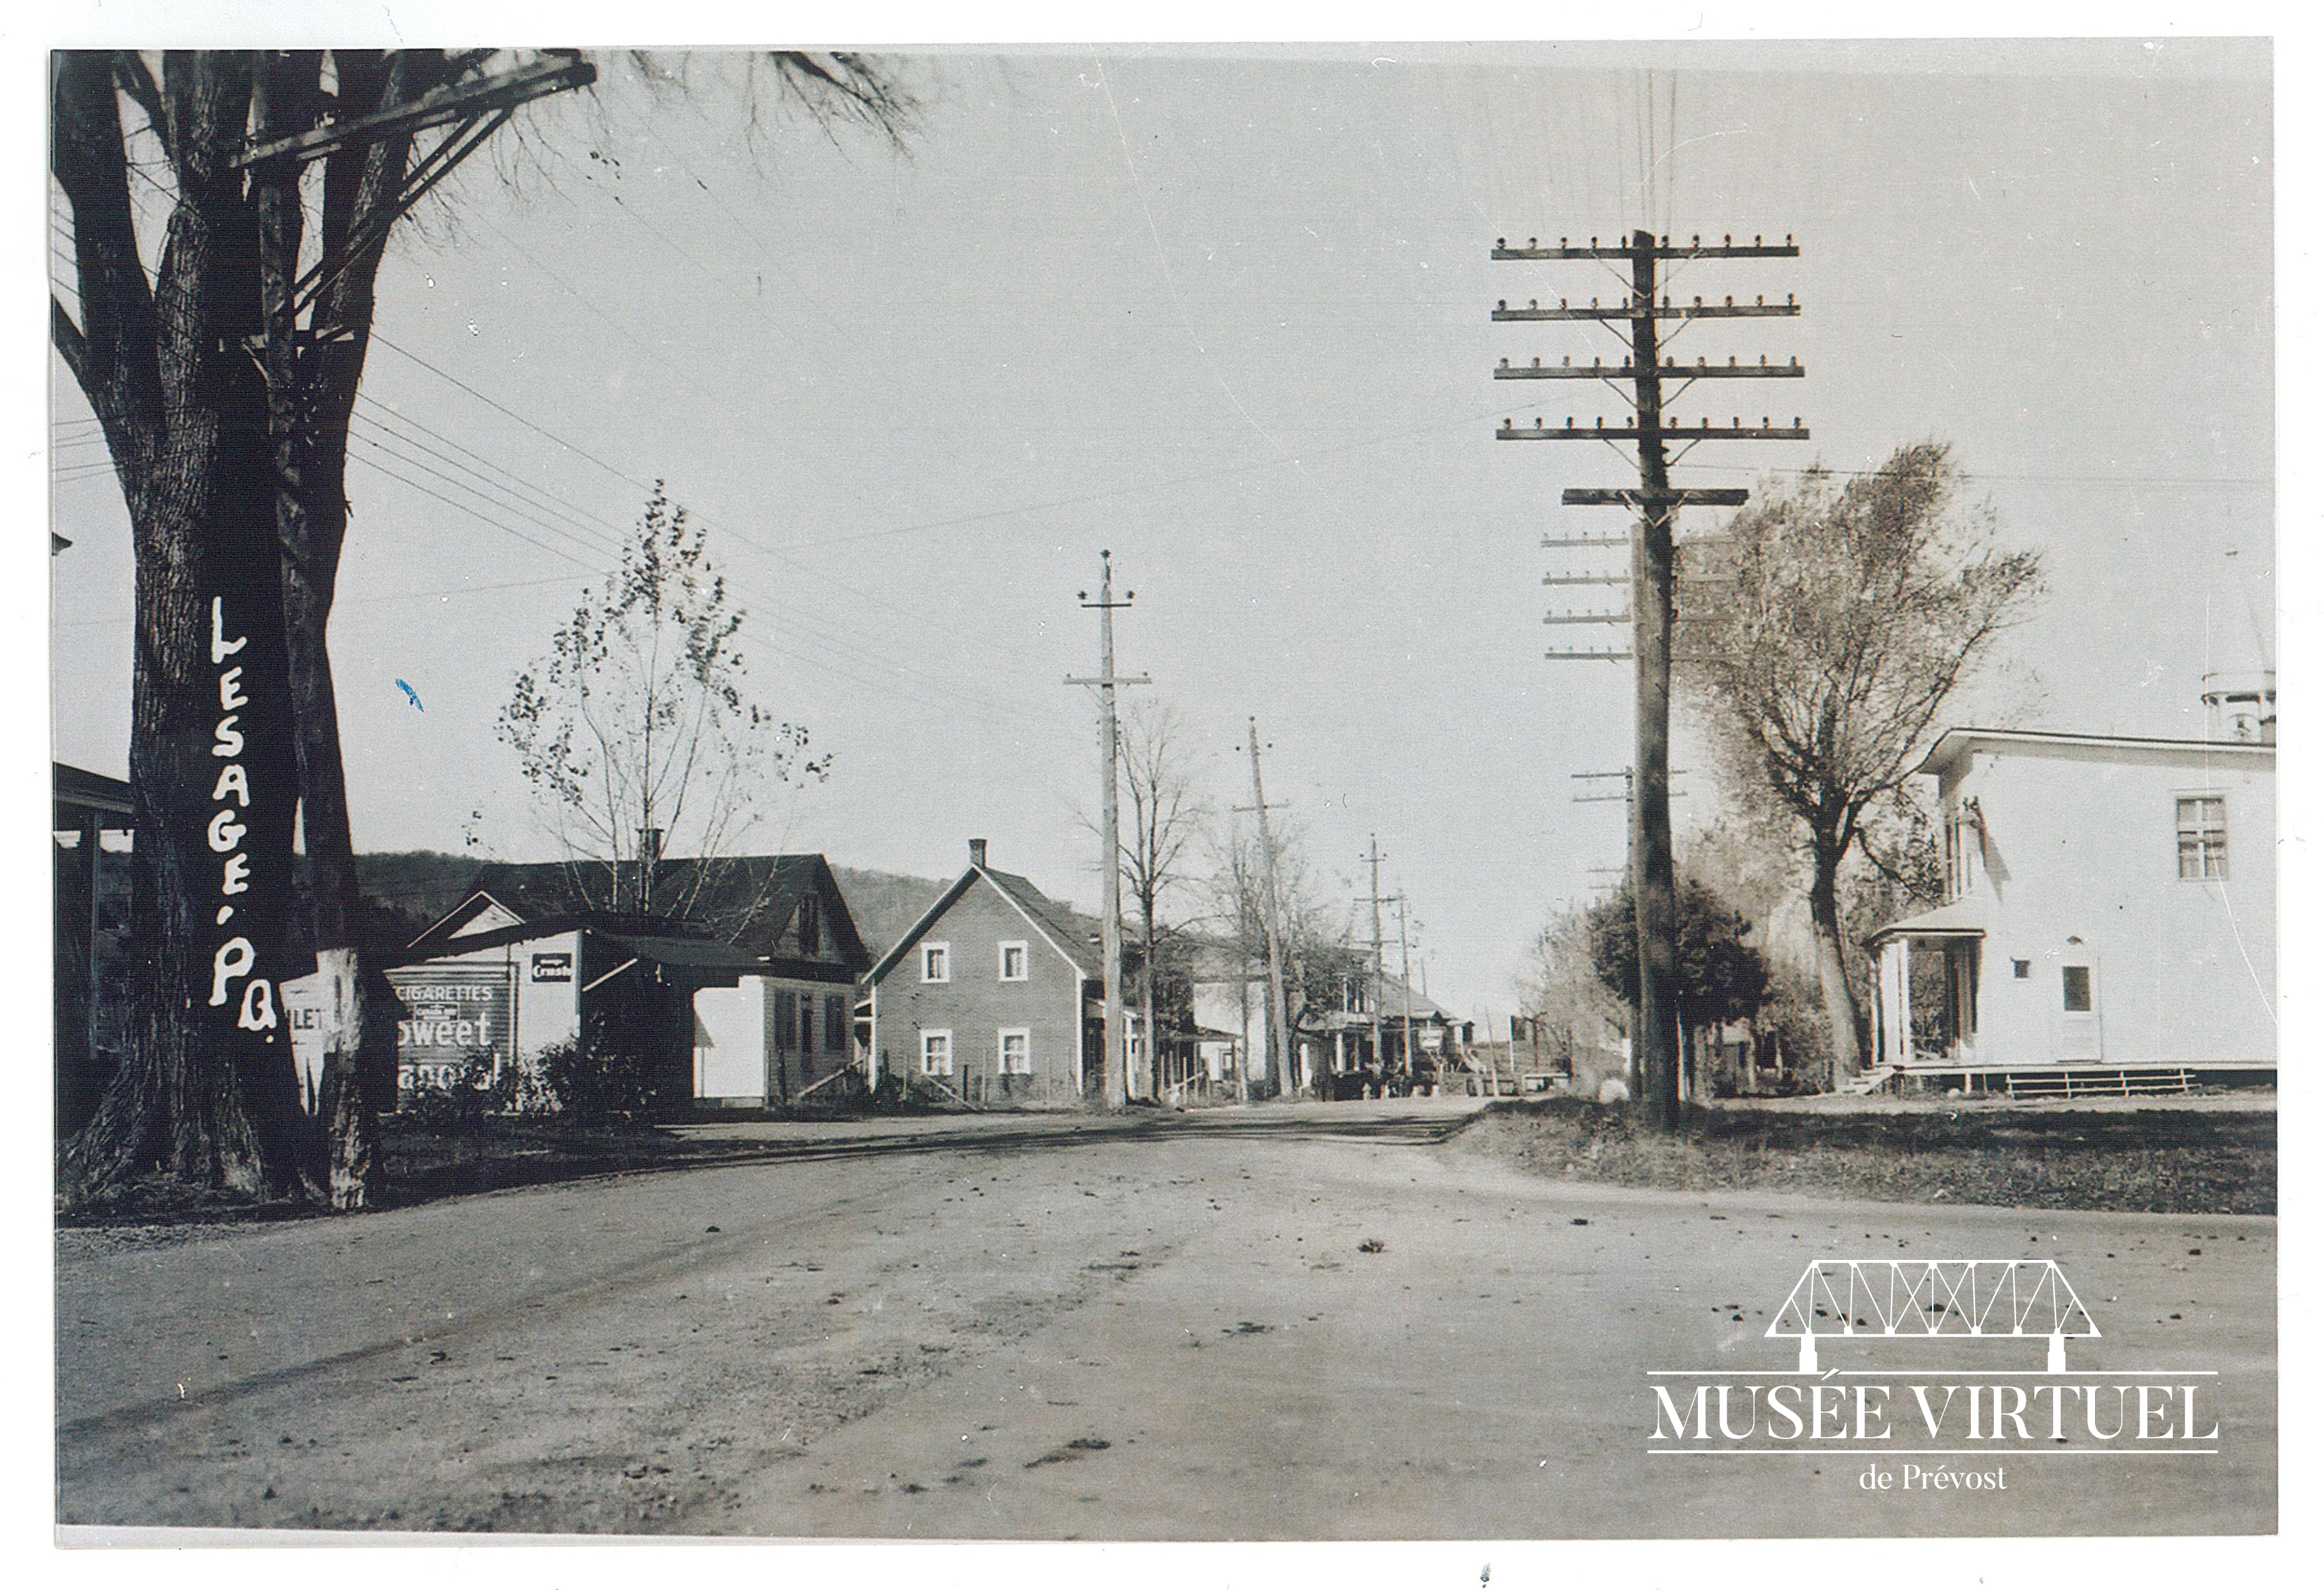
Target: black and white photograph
[(1158, 792)]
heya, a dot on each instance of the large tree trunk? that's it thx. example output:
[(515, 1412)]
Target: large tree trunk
[(1832, 965), (206, 1091), (313, 378)]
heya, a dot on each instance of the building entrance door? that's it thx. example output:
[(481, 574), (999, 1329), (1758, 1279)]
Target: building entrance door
[(2076, 1032)]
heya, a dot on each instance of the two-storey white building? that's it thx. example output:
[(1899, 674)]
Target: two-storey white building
[(2109, 904)]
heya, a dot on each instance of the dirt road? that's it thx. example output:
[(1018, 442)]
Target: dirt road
[(1315, 1321)]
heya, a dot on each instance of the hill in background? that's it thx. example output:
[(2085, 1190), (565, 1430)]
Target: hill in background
[(408, 890)]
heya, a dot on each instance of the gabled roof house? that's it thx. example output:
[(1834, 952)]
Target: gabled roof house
[(994, 994)]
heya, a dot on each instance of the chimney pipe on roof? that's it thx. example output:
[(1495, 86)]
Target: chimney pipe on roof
[(648, 863), (976, 852)]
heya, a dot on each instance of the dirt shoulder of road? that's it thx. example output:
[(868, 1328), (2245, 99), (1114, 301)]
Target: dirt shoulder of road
[(2187, 1159), (420, 1164)]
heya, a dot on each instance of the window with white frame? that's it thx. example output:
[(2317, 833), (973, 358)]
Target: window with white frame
[(936, 963), (1016, 1051), (1013, 962), (1963, 840), (2202, 836), (935, 1054)]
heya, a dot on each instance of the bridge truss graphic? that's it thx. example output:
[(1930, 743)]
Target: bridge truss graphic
[(1932, 1298)]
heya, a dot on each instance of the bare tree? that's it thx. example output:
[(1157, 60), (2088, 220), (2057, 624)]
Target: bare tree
[(232, 468), (1319, 959), (636, 732), (1836, 620), (1558, 986), (1164, 818)]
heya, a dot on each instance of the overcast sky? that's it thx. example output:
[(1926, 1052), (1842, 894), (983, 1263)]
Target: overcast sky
[(1226, 313)]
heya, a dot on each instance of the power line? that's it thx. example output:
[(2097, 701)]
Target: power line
[(685, 377), (579, 532), (1161, 485), (810, 661), (945, 682), (462, 507), (2039, 480)]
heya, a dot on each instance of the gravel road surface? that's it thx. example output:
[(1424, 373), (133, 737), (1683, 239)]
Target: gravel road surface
[(1313, 1321)]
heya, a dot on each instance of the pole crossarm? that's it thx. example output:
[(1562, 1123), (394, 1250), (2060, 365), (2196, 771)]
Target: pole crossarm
[(1677, 497), (1633, 311), (1114, 679), (1585, 579), (1704, 432), (1646, 374), (451, 103), (1597, 370), (1695, 248)]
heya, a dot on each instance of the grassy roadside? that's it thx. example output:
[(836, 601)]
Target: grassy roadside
[(420, 1164), (2167, 1159)]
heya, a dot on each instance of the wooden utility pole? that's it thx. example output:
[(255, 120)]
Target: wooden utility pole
[(1116, 1062), (1279, 1008), (1653, 563), (1380, 962), (1403, 944)]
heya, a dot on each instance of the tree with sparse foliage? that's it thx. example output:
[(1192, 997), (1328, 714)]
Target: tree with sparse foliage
[(1829, 624), (1319, 959), (222, 364), (1164, 818), (636, 729), (1558, 988)]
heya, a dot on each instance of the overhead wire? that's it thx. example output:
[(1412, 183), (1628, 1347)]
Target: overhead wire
[(948, 684)]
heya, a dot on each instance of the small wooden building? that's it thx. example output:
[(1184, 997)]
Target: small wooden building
[(742, 1000)]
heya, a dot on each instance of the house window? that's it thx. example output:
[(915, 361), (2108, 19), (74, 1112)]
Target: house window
[(2202, 836), (1013, 961), (784, 1020), (935, 1054), (936, 963), (1958, 840), (2021, 970), (835, 1022), (810, 928), (806, 1024), (1016, 1051), (2077, 987)]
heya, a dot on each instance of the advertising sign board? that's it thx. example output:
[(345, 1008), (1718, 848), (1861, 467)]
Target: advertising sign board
[(452, 1014)]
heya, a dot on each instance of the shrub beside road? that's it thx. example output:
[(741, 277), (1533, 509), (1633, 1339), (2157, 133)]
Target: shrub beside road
[(2203, 1156)]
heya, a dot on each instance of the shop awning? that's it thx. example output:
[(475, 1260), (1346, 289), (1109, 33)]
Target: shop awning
[(698, 957)]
